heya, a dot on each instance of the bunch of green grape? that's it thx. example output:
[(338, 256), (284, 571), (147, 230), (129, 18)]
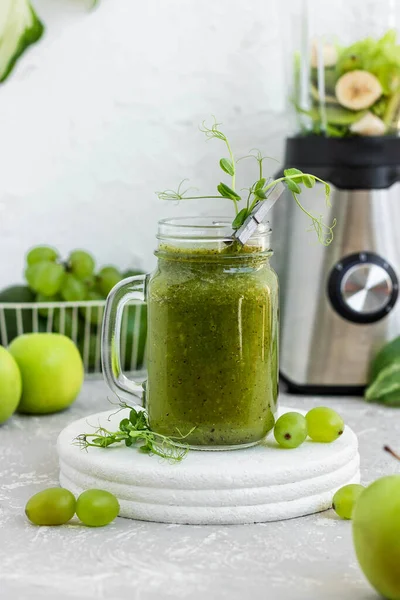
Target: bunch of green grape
[(321, 424), (57, 506), (73, 280), (54, 280)]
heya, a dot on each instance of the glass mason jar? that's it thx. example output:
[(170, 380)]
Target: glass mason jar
[(344, 67), (212, 347)]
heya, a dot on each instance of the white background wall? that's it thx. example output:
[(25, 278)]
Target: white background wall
[(104, 112)]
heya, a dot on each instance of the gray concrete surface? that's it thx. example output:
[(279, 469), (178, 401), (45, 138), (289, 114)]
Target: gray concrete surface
[(303, 559)]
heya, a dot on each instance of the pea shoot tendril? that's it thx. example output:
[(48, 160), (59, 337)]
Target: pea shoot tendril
[(134, 430), (294, 179)]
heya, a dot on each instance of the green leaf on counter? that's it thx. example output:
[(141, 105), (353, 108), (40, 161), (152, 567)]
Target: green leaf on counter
[(19, 28), (386, 387), (387, 355)]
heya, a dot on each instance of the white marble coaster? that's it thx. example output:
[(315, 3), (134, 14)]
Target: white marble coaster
[(263, 483)]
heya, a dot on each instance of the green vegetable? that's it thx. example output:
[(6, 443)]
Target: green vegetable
[(290, 430), (345, 499), (293, 179), (380, 58), (392, 111), (335, 115), (324, 424), (135, 430), (386, 355), (19, 28), (330, 79), (97, 508), (386, 387), (54, 506)]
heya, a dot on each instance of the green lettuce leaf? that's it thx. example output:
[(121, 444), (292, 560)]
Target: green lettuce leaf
[(19, 28), (385, 389), (380, 57), (388, 354)]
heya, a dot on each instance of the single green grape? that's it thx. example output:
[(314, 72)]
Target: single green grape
[(107, 278), (324, 424), (45, 277), (40, 298), (97, 508), (95, 313), (81, 264), (40, 254), (344, 500), (73, 289), (54, 506), (290, 430)]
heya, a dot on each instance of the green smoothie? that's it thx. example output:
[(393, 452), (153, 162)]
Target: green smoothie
[(213, 345)]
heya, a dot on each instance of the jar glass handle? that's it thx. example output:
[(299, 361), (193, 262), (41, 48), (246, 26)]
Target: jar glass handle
[(132, 288)]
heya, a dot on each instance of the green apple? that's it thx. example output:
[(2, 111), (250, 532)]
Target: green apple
[(376, 534), (10, 385), (52, 371)]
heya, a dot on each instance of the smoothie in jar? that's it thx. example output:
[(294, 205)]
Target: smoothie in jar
[(213, 342)]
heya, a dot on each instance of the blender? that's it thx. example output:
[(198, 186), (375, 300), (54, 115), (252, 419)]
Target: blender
[(340, 302)]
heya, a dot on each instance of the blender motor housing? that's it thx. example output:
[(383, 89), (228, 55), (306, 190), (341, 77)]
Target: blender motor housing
[(339, 303)]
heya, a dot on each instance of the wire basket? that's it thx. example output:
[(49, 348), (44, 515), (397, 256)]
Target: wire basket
[(81, 322)]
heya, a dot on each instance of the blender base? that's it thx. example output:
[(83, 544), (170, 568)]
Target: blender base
[(258, 484), (321, 390)]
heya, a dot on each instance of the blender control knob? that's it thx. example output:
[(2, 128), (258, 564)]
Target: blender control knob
[(363, 287)]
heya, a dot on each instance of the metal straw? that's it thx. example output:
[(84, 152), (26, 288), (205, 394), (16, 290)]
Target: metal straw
[(259, 213)]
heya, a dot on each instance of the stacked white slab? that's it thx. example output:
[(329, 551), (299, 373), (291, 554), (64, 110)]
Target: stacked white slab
[(264, 483)]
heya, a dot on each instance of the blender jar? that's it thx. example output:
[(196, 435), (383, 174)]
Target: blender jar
[(344, 66)]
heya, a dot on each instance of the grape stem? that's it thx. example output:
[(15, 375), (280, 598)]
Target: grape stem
[(392, 452)]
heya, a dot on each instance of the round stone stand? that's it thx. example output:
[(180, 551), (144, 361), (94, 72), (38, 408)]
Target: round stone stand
[(258, 484)]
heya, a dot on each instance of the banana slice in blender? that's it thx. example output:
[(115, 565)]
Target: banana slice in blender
[(358, 89), (369, 124)]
